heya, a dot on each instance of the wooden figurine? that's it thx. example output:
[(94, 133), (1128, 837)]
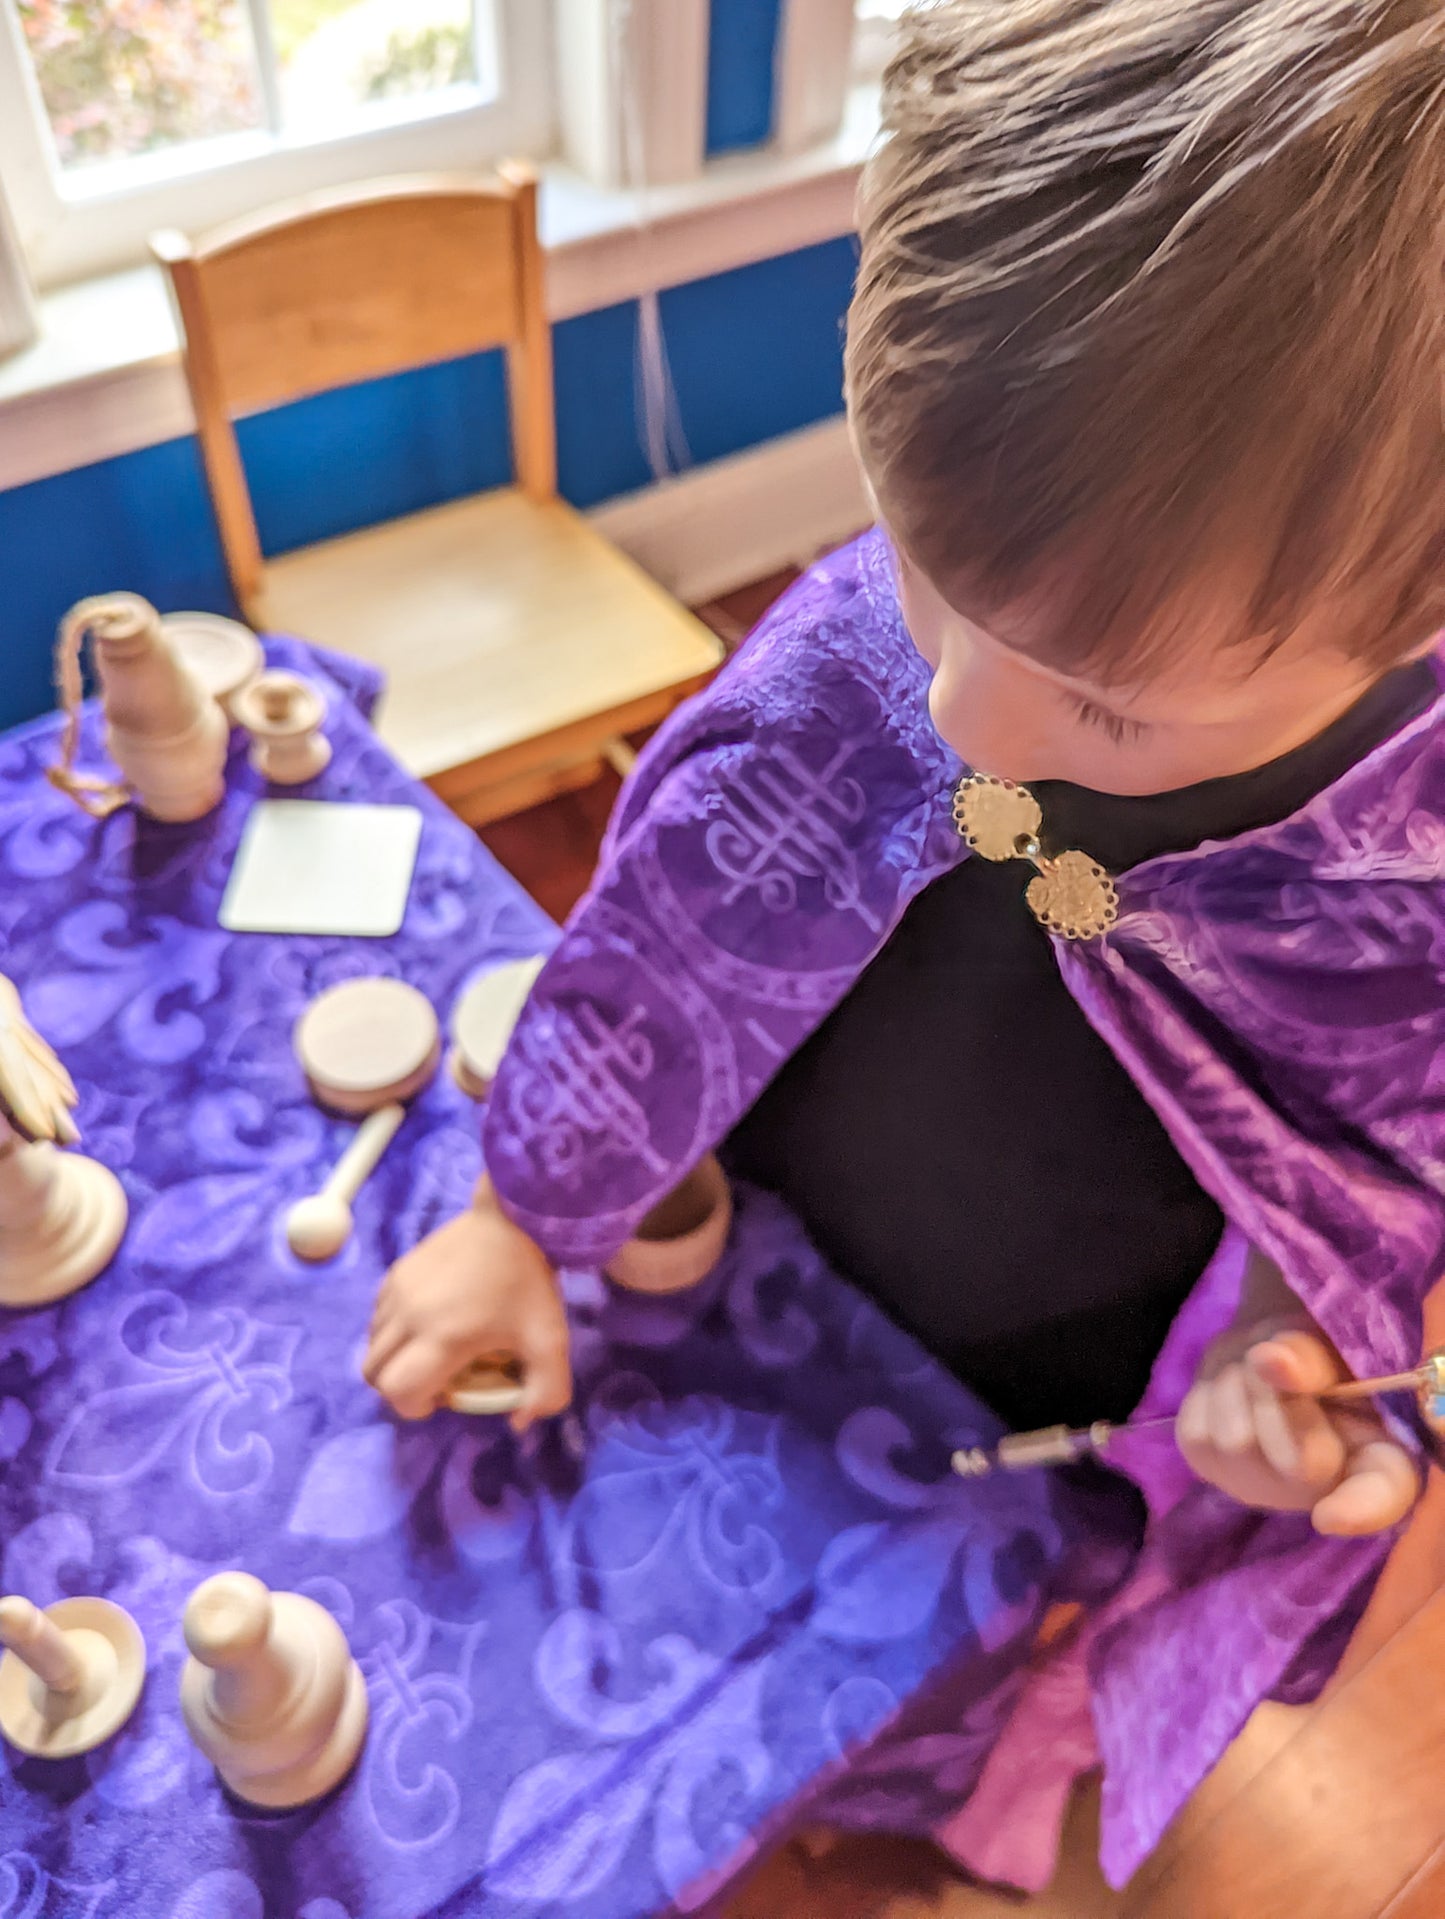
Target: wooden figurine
[(162, 729), (482, 1022), (222, 654), (71, 1677), (270, 1693), (366, 1047), (61, 1215), (283, 713)]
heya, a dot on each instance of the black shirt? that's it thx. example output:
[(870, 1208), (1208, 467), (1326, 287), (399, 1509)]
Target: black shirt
[(960, 1142)]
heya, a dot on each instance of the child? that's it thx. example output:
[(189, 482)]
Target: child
[(1144, 370)]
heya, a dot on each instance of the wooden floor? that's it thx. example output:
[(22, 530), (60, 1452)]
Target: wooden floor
[(1335, 1811)]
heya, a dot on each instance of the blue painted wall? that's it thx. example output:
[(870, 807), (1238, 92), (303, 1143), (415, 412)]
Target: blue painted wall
[(742, 46), (754, 353)]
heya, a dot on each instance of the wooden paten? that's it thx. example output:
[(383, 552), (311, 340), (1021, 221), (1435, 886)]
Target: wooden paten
[(222, 654)]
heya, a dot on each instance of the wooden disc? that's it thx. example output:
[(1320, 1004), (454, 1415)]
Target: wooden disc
[(113, 1656), (483, 1018), (366, 1043), (223, 654), (490, 1385)]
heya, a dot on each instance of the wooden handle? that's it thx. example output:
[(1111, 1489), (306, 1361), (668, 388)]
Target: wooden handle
[(357, 1163), (38, 1643)]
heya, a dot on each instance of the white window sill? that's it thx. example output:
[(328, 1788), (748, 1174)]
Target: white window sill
[(104, 378)]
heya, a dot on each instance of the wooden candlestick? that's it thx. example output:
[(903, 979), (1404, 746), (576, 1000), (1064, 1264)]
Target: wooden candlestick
[(61, 1215), (270, 1694), (71, 1677), (283, 713), (162, 729), (366, 1047)]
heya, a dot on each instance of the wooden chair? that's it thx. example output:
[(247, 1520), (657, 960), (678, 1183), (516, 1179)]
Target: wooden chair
[(518, 645)]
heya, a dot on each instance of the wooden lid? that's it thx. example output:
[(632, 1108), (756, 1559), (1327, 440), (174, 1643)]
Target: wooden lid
[(366, 1043)]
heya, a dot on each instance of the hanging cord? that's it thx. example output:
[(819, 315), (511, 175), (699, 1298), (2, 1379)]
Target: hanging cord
[(659, 418), (99, 798)]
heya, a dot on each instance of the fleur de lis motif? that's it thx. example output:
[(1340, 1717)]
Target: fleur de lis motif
[(696, 1476), (28, 1891), (208, 1378), (566, 1823), (419, 1674)]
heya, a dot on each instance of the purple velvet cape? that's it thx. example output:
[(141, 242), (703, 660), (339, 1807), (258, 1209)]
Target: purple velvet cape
[(1278, 998)]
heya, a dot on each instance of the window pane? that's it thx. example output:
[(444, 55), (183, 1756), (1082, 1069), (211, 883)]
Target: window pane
[(133, 76), (338, 58)]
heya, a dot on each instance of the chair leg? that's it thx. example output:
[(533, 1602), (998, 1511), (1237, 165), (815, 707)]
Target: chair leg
[(619, 756)]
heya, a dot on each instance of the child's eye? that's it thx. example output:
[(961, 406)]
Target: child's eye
[(1120, 730)]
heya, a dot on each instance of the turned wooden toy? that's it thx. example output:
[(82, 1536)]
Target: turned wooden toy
[(271, 1693), (61, 1215), (682, 1238), (366, 1048), (488, 1386), (71, 1677), (482, 1022), (283, 713), (162, 728), (222, 654)]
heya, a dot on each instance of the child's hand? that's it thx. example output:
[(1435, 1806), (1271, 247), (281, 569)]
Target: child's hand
[(476, 1286), (1251, 1427)]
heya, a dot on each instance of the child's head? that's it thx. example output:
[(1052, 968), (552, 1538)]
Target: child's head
[(1147, 370)]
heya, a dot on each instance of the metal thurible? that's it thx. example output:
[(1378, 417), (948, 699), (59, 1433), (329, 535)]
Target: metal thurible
[(1071, 894), (1063, 1445)]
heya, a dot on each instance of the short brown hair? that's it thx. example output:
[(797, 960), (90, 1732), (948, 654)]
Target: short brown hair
[(1154, 291)]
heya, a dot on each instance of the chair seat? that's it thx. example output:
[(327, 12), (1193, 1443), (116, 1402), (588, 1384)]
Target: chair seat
[(512, 635)]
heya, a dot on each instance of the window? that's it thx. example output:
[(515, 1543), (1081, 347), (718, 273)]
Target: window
[(119, 118), (876, 21)]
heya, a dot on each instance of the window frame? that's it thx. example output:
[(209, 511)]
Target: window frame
[(873, 35), (68, 233)]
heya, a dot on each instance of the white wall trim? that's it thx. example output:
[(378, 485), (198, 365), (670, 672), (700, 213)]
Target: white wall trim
[(632, 89), (19, 313), (813, 70), (104, 377), (737, 519)]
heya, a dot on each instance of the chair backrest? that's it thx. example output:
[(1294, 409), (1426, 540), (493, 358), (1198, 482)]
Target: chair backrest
[(349, 286)]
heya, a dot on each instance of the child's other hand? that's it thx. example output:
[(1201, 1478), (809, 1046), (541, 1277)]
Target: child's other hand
[(476, 1286), (1252, 1427)]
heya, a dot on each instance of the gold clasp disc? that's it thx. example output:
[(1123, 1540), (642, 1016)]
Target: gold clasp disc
[(1071, 894)]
